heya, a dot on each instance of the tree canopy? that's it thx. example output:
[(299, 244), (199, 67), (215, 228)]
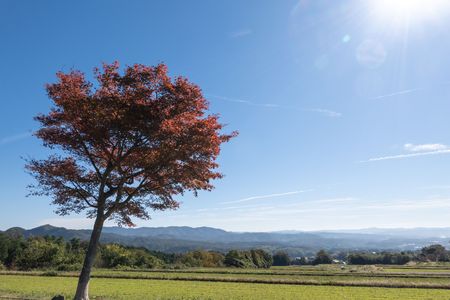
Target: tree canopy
[(130, 143)]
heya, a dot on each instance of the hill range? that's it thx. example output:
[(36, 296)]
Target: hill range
[(182, 239)]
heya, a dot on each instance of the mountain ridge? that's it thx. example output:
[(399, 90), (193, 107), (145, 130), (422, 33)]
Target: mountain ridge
[(184, 238)]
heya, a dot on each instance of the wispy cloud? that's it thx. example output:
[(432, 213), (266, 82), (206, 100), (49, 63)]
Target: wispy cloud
[(425, 147), (414, 150), (322, 111), (307, 214), (336, 200), (412, 90), (398, 93), (14, 138), (326, 112), (266, 196), (242, 101), (341, 206), (241, 33), (408, 155)]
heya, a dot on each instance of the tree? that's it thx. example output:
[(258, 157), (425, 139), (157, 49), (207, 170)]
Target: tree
[(41, 253), (126, 146), (322, 257), (254, 258), (11, 246), (434, 253), (281, 258), (261, 258)]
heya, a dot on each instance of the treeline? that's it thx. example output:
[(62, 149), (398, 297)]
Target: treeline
[(385, 258), (432, 253), (55, 253), (18, 253)]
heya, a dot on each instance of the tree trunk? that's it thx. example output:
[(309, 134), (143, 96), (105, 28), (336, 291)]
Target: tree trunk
[(83, 281)]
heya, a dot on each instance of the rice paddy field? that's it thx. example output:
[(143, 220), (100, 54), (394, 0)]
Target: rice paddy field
[(306, 282)]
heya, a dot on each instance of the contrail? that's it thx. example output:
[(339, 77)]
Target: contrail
[(325, 112), (266, 196), (401, 156), (235, 100), (408, 91), (241, 33), (396, 94)]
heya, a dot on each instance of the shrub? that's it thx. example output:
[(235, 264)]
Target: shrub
[(40, 253), (322, 257), (69, 267), (200, 258), (50, 274)]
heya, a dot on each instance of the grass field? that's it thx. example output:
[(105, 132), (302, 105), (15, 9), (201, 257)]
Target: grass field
[(276, 283)]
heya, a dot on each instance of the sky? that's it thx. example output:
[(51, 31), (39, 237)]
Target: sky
[(342, 106)]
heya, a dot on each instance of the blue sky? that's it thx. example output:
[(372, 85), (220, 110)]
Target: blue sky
[(342, 106)]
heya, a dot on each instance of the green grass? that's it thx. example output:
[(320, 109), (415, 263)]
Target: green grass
[(306, 282), (418, 270), (108, 288), (386, 280), (295, 275)]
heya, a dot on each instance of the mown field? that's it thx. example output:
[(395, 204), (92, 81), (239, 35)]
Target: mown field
[(321, 282)]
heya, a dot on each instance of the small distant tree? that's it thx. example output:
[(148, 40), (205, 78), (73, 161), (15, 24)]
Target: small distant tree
[(322, 257), (11, 247), (261, 258), (281, 258), (4, 247), (434, 253), (126, 145)]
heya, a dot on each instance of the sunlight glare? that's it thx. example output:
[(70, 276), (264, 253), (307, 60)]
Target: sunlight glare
[(409, 11)]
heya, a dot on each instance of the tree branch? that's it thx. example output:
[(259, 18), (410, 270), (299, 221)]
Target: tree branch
[(77, 190)]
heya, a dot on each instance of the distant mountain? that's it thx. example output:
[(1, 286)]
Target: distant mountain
[(181, 239), (420, 232), (179, 232), (15, 231)]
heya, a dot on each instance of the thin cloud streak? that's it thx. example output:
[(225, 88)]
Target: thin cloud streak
[(241, 33), (266, 196), (396, 94), (402, 156), (259, 207), (235, 100), (336, 200), (327, 112), (322, 111), (425, 147), (15, 138), (408, 91), (340, 209)]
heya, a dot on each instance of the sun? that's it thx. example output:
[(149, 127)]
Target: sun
[(401, 7), (408, 11)]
